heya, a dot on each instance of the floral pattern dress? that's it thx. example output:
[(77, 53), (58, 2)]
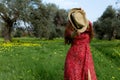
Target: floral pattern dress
[(79, 64)]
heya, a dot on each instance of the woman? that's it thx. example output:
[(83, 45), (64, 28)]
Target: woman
[(79, 64)]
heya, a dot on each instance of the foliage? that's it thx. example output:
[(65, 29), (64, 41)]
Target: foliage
[(43, 20), (107, 26), (19, 32), (10, 11), (46, 19)]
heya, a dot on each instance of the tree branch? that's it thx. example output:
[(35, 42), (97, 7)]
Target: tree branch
[(16, 15), (5, 17)]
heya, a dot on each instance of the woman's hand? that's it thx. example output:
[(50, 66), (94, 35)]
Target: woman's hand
[(78, 32)]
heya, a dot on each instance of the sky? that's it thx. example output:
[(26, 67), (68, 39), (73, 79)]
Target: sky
[(93, 8), (0, 1)]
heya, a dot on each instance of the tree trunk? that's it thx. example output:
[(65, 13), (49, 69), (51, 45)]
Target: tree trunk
[(7, 33), (114, 34)]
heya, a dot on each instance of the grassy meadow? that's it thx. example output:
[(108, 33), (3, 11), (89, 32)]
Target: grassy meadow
[(34, 59)]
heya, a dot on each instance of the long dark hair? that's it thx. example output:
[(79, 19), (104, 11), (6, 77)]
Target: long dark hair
[(69, 30), (91, 31)]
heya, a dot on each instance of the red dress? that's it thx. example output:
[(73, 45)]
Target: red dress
[(79, 64)]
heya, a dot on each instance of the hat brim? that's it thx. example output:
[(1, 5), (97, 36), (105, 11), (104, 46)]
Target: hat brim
[(72, 21)]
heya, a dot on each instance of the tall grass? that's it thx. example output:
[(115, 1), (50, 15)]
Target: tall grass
[(106, 56), (34, 59)]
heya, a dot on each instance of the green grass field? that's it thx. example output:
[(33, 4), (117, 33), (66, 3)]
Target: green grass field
[(34, 59)]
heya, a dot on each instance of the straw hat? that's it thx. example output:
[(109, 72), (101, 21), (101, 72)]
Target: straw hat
[(78, 19)]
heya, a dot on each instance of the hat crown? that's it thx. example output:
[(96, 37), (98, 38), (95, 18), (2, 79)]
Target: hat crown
[(79, 19)]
